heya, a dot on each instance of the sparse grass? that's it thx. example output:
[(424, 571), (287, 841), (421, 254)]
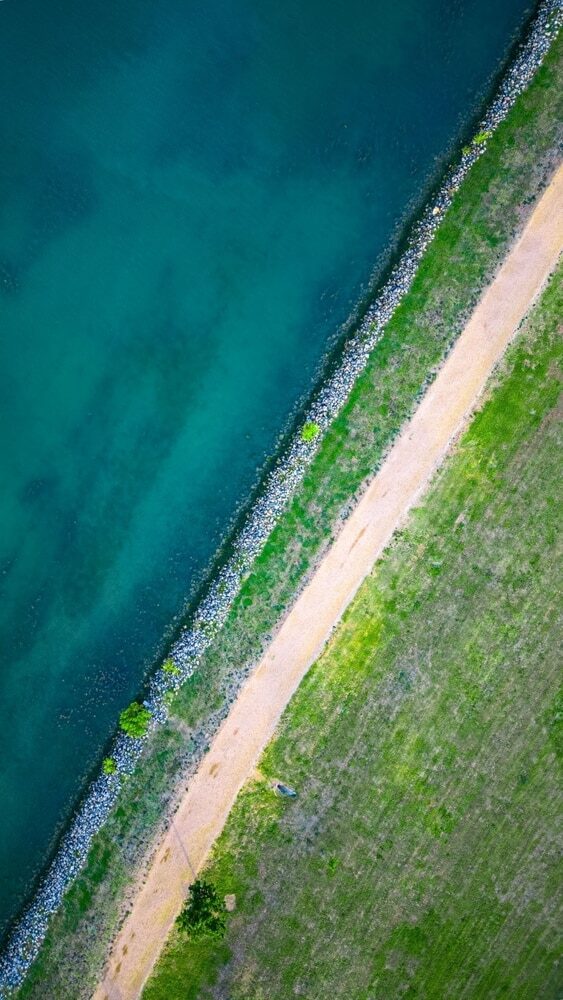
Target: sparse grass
[(473, 238), (421, 857)]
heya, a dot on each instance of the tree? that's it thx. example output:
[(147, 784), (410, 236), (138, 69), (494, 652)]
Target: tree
[(203, 913), (109, 766), (134, 720)]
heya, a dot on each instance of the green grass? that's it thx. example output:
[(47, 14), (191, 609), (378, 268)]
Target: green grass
[(487, 212), (421, 857)]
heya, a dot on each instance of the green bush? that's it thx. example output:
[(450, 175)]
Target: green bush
[(203, 913), (134, 720), (170, 667), (109, 766), (310, 431), (482, 137)]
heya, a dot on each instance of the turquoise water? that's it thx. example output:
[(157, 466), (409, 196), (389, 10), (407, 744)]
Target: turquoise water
[(193, 199)]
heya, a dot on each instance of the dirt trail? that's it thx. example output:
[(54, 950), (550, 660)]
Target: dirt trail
[(415, 456)]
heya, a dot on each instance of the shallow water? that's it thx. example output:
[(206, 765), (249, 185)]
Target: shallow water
[(193, 196)]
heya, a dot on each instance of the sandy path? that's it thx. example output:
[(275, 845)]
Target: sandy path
[(416, 454)]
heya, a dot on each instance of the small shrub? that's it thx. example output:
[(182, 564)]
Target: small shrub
[(134, 720), (482, 137), (109, 766), (203, 913), (170, 667), (332, 866), (310, 431)]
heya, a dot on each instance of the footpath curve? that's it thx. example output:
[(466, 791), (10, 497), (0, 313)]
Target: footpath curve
[(410, 464)]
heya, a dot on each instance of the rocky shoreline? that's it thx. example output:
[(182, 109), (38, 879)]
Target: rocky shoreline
[(26, 939)]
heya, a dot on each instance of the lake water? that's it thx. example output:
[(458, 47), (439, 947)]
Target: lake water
[(193, 196)]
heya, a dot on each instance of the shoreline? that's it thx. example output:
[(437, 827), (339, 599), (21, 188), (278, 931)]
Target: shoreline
[(286, 476), (414, 458)]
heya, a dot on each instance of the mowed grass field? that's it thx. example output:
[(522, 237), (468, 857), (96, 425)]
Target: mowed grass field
[(421, 857)]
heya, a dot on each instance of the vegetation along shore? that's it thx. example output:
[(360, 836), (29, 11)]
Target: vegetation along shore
[(233, 623)]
